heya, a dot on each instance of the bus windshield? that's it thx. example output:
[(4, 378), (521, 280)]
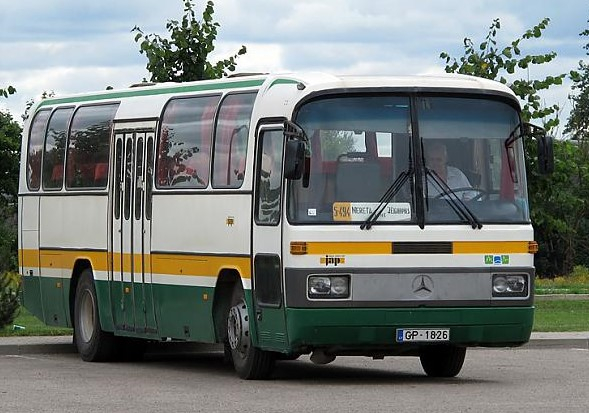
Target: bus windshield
[(366, 150)]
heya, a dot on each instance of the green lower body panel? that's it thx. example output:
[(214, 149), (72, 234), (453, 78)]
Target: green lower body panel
[(373, 331), (47, 299), (31, 293)]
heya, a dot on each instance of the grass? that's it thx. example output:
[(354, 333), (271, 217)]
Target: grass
[(575, 283), (32, 327), (553, 315), (562, 315)]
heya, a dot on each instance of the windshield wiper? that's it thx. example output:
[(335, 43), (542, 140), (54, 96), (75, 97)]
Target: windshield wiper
[(448, 195), (388, 195)]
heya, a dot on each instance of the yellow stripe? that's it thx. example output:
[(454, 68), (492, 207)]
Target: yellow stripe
[(491, 247), (173, 264), (459, 247), (199, 265), (30, 258), (322, 248)]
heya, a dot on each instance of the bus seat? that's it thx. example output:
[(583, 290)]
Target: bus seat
[(100, 173), (357, 178), (57, 173)]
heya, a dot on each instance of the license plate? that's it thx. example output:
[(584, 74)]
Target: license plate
[(422, 334)]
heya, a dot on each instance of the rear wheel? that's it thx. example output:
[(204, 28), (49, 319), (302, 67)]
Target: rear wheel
[(442, 361), (249, 361), (93, 344)]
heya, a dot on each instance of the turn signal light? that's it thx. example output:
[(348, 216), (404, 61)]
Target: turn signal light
[(298, 248), (532, 247)]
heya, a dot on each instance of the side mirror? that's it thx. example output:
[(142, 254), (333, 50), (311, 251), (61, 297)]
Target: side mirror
[(294, 159), (545, 154)]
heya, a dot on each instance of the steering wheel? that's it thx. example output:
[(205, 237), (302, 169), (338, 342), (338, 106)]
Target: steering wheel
[(480, 193)]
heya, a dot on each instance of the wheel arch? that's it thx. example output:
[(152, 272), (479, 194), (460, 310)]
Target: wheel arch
[(227, 279), (80, 265)]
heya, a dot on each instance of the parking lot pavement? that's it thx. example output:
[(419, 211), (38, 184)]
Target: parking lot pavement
[(64, 344)]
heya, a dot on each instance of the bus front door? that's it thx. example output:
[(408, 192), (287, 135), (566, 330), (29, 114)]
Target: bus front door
[(131, 288), (267, 252)]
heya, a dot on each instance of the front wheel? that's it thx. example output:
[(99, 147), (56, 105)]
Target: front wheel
[(442, 361), (249, 362), (92, 342)]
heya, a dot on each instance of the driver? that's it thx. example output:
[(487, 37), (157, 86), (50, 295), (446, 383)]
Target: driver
[(436, 157)]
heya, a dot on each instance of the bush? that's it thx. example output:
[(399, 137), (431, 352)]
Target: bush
[(9, 297), (8, 243), (577, 282)]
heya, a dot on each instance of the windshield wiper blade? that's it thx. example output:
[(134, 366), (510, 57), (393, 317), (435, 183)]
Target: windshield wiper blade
[(457, 205), (387, 196)]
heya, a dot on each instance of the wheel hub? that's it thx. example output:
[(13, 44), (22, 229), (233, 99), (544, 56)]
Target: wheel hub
[(238, 328)]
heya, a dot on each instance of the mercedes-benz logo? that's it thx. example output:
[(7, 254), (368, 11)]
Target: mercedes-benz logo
[(423, 286)]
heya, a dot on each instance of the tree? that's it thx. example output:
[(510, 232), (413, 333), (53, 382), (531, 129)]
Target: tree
[(9, 168), (495, 62), (10, 132), (557, 203), (578, 123), (8, 91), (184, 57)]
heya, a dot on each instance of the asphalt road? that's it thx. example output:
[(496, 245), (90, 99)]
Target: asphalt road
[(500, 380)]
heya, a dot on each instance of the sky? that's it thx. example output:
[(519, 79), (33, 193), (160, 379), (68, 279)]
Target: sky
[(74, 46)]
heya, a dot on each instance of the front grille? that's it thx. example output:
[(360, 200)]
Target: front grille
[(422, 248)]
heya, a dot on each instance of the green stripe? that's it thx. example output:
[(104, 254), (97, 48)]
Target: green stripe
[(284, 82), (151, 91)]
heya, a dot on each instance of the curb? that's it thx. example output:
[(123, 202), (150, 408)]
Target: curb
[(570, 340), (16, 346)]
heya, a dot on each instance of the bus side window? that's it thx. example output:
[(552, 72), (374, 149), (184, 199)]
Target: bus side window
[(89, 146), (185, 142), (54, 151), (231, 137), (35, 149)]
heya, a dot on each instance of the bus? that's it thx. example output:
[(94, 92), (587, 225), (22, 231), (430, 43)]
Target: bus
[(281, 215)]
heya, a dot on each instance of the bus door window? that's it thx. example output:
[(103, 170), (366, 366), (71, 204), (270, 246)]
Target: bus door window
[(139, 178), (128, 176), (269, 177), (118, 178), (149, 177)]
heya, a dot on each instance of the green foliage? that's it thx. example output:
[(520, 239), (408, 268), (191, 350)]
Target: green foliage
[(10, 132), (578, 123), (577, 282), (8, 244), (183, 57), (335, 143), (9, 293), (8, 91), (559, 209), (558, 202), (500, 62)]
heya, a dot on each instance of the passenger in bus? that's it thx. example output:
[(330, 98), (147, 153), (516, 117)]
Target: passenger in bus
[(436, 160)]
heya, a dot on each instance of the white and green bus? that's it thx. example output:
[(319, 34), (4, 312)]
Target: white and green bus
[(282, 215)]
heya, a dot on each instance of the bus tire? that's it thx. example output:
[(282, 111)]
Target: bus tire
[(249, 362), (93, 344), (443, 360)]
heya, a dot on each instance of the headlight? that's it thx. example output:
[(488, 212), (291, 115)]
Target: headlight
[(510, 285), (328, 286)]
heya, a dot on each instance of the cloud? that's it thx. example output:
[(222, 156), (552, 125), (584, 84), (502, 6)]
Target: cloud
[(73, 46)]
